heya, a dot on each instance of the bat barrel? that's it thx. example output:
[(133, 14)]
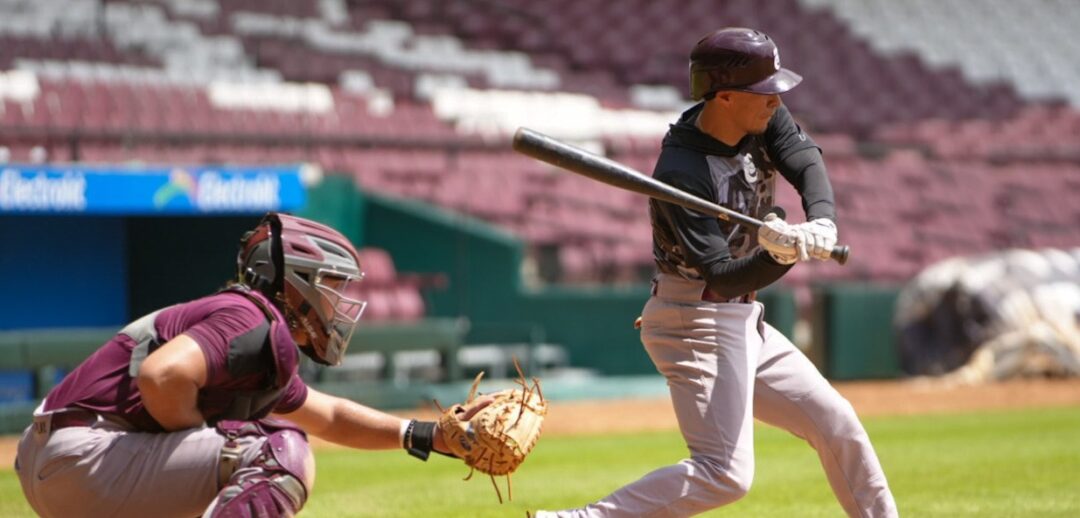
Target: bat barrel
[(605, 170)]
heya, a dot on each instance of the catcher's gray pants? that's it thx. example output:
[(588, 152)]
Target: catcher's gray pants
[(106, 470), (724, 366)]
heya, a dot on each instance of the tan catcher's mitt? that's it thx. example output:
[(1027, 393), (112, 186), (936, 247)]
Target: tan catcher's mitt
[(498, 437)]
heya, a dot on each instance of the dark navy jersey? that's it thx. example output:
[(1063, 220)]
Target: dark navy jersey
[(251, 362), (742, 178)]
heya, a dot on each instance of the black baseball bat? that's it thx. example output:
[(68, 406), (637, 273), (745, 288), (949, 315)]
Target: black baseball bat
[(605, 170)]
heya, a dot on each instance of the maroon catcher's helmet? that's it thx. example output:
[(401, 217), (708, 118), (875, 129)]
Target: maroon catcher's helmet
[(312, 273), (736, 58)]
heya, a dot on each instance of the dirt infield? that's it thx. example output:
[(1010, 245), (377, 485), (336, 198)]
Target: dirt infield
[(869, 398)]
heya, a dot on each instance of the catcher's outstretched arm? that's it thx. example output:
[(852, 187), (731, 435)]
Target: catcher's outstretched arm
[(347, 423)]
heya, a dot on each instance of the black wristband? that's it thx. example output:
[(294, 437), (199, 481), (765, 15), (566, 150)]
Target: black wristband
[(420, 438)]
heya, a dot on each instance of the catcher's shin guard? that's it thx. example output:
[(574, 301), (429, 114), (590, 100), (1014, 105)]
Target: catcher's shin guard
[(256, 496), (275, 482)]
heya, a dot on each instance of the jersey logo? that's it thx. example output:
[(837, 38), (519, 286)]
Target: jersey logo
[(735, 183), (749, 170)]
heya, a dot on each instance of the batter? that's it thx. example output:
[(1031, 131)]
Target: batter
[(702, 328)]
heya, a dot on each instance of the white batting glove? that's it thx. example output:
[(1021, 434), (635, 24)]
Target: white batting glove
[(785, 257), (820, 237), (785, 243)]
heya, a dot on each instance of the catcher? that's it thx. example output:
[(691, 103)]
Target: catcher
[(197, 408)]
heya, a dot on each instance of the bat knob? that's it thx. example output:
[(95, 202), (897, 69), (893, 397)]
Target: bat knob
[(779, 211), (840, 253)]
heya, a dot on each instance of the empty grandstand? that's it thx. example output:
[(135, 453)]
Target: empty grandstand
[(946, 128)]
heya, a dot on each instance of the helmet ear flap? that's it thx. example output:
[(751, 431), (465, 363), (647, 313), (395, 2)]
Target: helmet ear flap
[(261, 261), (241, 256), (277, 253)]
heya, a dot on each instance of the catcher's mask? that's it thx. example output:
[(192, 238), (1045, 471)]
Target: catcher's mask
[(312, 273)]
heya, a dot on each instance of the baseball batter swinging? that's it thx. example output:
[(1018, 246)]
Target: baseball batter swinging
[(172, 417), (702, 328)]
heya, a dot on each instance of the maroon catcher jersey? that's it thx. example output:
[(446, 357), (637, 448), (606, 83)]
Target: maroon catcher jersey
[(251, 362)]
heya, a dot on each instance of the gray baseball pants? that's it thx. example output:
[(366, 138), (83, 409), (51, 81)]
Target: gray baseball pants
[(106, 470), (725, 366)]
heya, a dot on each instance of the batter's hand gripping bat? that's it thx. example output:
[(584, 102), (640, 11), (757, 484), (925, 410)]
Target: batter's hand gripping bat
[(601, 169)]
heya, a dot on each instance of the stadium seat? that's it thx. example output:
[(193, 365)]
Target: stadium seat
[(909, 131)]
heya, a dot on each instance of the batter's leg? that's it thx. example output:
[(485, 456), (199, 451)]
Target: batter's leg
[(708, 353), (791, 394)]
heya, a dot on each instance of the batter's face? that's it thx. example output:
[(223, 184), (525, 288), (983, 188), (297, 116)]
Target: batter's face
[(745, 113), (750, 112)]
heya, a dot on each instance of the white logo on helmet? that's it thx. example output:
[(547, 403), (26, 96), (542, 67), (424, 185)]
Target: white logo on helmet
[(776, 59)]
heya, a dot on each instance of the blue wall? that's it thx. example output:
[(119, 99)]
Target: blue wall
[(62, 271)]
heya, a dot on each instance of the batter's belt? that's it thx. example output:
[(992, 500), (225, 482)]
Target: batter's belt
[(676, 288)]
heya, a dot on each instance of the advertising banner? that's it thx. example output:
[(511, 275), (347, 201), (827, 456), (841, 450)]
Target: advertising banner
[(113, 190)]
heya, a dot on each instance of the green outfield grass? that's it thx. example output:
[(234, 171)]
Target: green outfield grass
[(999, 464)]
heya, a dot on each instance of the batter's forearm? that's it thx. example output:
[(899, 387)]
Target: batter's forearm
[(805, 170), (737, 277)]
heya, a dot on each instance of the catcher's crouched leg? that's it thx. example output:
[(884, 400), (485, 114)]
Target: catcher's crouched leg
[(269, 476)]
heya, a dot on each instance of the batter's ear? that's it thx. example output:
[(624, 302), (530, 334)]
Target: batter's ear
[(723, 97)]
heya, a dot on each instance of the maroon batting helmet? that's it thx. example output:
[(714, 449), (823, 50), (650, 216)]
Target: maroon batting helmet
[(736, 58), (312, 273)]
